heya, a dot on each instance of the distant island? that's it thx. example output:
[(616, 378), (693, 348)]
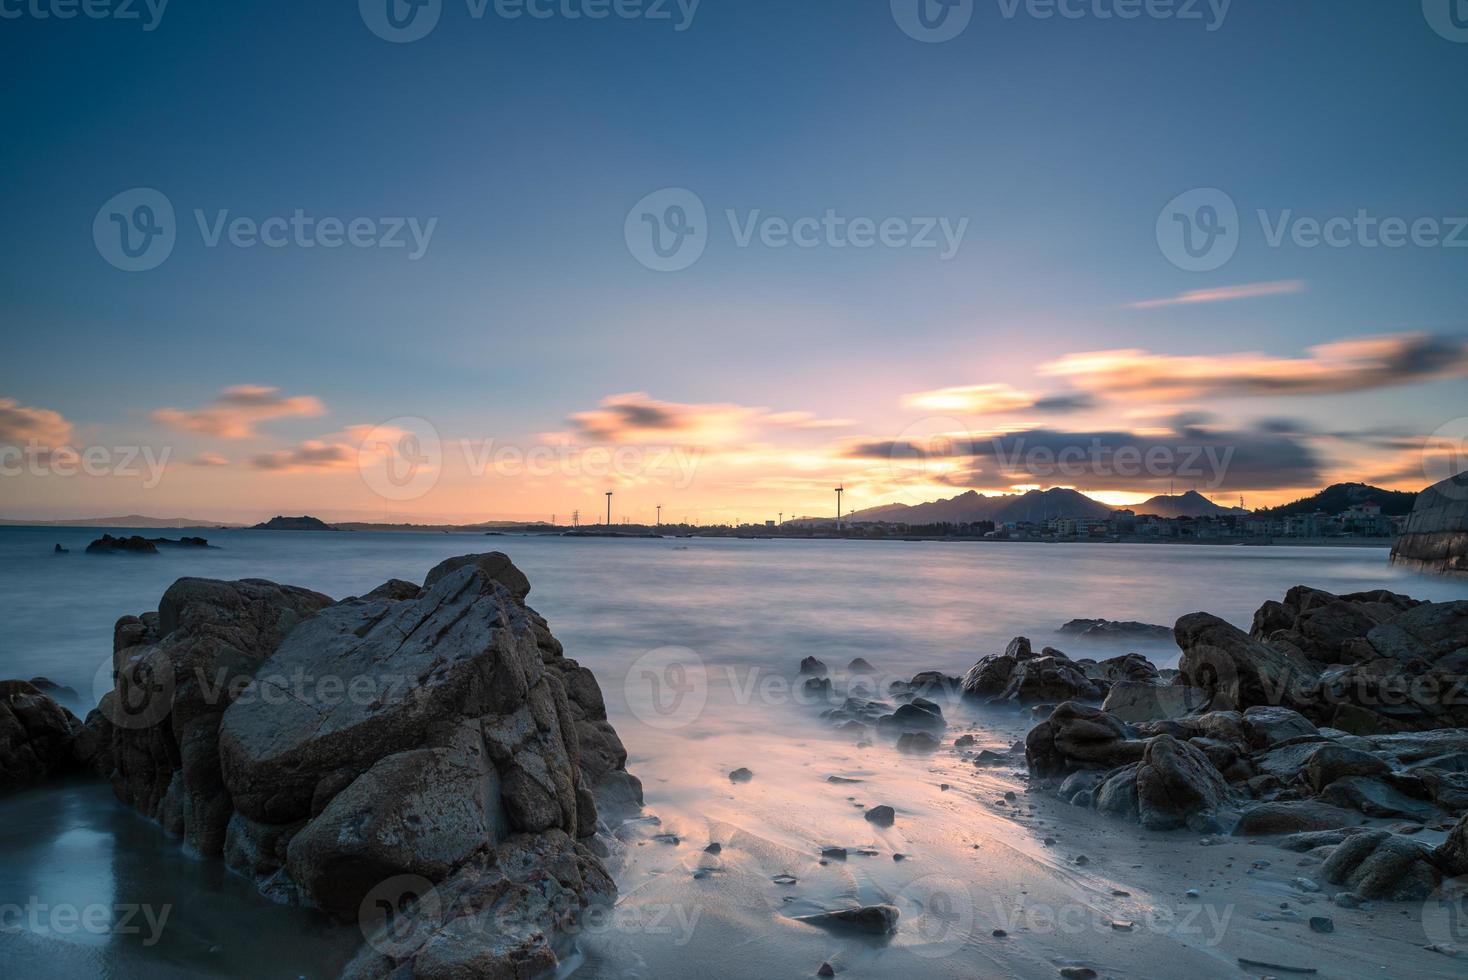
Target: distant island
[(131, 520), (293, 524)]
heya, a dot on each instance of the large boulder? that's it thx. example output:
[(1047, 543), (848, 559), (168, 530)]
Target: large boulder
[(1078, 736), (436, 736), (1173, 785), (1238, 672)]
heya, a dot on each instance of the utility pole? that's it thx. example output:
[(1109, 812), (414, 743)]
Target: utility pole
[(609, 508), (660, 515)]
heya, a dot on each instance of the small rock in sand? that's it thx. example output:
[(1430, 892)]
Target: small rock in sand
[(783, 879), (1078, 973), (1347, 900), (826, 970), (964, 741), (1305, 885), (714, 848), (740, 775), (1322, 923), (1192, 893), (878, 920), (999, 933), (841, 779), (835, 853), (1081, 860), (882, 816)]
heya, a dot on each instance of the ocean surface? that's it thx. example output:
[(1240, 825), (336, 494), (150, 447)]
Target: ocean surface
[(738, 612)]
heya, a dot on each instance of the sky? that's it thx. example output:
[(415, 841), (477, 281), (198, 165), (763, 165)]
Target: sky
[(466, 261)]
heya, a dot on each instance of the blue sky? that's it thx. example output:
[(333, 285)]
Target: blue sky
[(1059, 141)]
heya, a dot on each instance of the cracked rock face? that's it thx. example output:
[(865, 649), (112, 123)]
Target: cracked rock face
[(434, 736)]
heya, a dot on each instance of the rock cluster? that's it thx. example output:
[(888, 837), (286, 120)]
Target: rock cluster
[(433, 736), (38, 737)]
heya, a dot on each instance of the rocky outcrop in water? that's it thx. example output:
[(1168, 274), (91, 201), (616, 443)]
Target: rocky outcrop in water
[(433, 743), (1435, 539), (38, 737)]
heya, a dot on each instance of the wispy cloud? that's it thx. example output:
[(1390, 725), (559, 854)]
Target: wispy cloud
[(1359, 364), (238, 410), (313, 454), (1223, 294), (636, 417), (209, 459), (22, 425), (993, 399)]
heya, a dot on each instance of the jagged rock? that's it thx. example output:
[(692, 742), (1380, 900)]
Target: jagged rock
[(1292, 817), (1110, 631), (1130, 667), (134, 545), (1452, 854), (38, 737), (920, 715), (1378, 864), (813, 667), (1237, 671), (917, 743), (443, 739), (1376, 799), (1052, 678), (882, 816), (1177, 786)]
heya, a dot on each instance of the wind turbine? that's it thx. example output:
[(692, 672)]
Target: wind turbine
[(609, 508), (839, 491)]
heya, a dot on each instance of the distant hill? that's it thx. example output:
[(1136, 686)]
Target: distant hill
[(293, 524), (970, 506), (131, 520), (1341, 496), (1190, 504)]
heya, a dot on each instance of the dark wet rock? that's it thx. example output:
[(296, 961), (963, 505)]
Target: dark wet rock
[(1376, 799), (1377, 864), (1452, 854), (38, 737), (740, 775), (919, 715), (826, 970), (1329, 762), (877, 920), (1310, 840), (860, 666), (1291, 817), (1078, 736), (1110, 631), (917, 743), (1269, 725), (134, 545), (1238, 672), (817, 687), (1078, 973), (1129, 667), (834, 853), (1173, 785), (1050, 678), (882, 816), (1322, 923), (1140, 701), (813, 667)]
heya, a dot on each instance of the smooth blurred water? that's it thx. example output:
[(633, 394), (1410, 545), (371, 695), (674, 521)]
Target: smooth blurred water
[(738, 605)]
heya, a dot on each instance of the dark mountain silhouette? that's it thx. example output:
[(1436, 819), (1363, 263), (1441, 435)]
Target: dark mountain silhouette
[(1190, 504), (970, 506), (1341, 496)]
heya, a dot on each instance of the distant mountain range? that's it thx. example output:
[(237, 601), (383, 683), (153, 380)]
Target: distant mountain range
[(131, 520), (970, 506), (1190, 504), (1341, 496)]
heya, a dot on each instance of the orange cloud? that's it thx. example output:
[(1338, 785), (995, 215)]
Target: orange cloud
[(1223, 294), (209, 459), (1358, 364), (313, 454), (238, 410), (23, 425)]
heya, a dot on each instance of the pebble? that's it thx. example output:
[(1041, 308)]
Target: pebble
[(1118, 893), (882, 816), (1009, 795), (1049, 841), (1261, 865), (1078, 973), (943, 787), (899, 857), (1121, 925), (714, 848), (740, 775), (1192, 893), (1347, 900), (838, 853), (999, 933), (1306, 885), (783, 879), (1082, 860), (1322, 923), (826, 970)]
